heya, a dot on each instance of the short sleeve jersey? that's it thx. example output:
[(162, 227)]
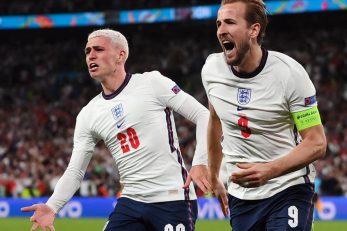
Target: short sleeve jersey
[(255, 110)]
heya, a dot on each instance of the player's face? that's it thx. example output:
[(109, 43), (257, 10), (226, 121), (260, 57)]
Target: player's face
[(101, 56), (233, 32)]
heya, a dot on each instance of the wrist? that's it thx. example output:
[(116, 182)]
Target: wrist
[(51, 208), (214, 180), (274, 169)]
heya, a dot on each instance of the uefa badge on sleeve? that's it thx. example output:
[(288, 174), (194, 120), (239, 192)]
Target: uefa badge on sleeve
[(309, 101), (176, 89)]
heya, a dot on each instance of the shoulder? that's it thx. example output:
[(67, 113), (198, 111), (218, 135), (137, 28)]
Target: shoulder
[(149, 77), (288, 68), (285, 60), (154, 78), (94, 101), (87, 109), (214, 59), (215, 62), (148, 74), (294, 77)]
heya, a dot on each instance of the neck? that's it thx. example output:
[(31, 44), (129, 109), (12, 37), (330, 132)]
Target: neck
[(251, 60), (113, 82)]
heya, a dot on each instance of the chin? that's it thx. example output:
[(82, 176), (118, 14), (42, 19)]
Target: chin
[(94, 76), (230, 61), (233, 61)]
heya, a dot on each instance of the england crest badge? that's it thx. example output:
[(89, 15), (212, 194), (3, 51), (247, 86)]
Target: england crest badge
[(117, 111), (243, 96)]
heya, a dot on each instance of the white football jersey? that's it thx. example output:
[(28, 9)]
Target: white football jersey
[(137, 125), (255, 110)]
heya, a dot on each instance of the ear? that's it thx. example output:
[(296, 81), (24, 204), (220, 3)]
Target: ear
[(254, 30), (120, 56)]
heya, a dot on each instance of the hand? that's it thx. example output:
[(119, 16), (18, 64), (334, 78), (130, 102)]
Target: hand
[(43, 216), (220, 192), (199, 175), (252, 175)]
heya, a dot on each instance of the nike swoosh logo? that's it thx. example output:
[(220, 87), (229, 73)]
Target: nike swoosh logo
[(240, 108), (120, 125)]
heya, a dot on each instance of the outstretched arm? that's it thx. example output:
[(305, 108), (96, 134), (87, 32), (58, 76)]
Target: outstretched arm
[(70, 181)]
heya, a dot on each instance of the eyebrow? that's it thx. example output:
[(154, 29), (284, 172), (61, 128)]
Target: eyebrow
[(87, 49), (225, 20)]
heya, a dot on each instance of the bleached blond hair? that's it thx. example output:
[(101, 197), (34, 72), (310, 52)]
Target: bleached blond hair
[(116, 37)]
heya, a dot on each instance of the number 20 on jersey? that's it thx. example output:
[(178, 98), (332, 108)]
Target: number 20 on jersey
[(128, 140)]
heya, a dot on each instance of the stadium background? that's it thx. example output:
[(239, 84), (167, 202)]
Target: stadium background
[(44, 83)]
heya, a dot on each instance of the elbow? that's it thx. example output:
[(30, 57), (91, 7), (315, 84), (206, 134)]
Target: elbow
[(74, 173), (321, 148)]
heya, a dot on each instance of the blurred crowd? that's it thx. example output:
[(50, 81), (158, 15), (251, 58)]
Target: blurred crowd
[(45, 83), (9, 7)]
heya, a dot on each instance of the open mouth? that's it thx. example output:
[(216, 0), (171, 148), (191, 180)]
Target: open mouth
[(228, 45), (93, 66)]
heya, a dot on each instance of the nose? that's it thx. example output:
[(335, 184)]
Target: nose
[(92, 55), (221, 29)]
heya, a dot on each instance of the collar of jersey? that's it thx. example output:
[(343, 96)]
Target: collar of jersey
[(257, 71), (119, 90)]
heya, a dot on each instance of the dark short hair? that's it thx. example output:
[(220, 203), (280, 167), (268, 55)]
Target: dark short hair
[(255, 13)]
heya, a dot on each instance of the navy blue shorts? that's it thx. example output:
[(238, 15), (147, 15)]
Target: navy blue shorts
[(291, 209), (130, 215)]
